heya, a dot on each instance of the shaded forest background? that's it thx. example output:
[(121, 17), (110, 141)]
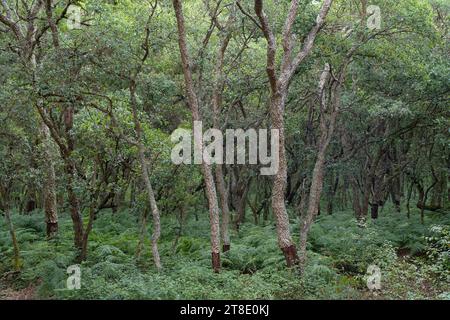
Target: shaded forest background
[(360, 96)]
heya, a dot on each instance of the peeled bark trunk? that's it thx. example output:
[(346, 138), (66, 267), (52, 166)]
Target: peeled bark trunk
[(279, 86), (285, 242), (221, 187), (155, 212), (74, 208), (217, 106), (50, 206), (66, 148), (213, 216), (71, 173), (206, 169)]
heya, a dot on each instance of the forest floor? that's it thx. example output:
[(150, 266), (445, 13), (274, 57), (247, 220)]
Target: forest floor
[(8, 290), (340, 251), (28, 293)]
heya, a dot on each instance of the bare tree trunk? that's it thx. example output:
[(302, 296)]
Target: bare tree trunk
[(142, 233), (425, 194), (395, 183), (369, 177), (221, 187), (31, 202), (334, 181), (71, 173), (66, 148), (217, 106), (447, 182), (377, 195), (92, 211), (266, 207), (421, 201), (206, 169), (356, 201), (285, 241), (365, 198), (313, 204), (408, 199), (279, 87), (327, 129), (243, 189), (302, 203), (74, 207), (145, 176), (50, 207), (95, 205), (357, 195), (438, 191), (12, 232)]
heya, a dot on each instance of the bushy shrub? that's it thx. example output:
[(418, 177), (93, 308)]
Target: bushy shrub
[(438, 251), (256, 249)]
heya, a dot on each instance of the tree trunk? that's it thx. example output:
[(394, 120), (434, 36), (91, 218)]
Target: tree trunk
[(396, 194), (242, 192), (421, 201), (145, 176), (279, 87), (332, 188), (50, 206), (377, 195), (206, 169), (221, 187), (327, 125), (285, 242), (12, 232), (142, 234), (374, 211), (356, 201), (84, 247), (74, 207), (438, 191), (71, 174), (365, 197), (314, 201), (217, 106), (408, 199)]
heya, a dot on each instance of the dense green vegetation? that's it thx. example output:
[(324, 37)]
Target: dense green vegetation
[(339, 253), (353, 93)]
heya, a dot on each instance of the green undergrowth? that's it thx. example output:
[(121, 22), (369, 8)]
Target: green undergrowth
[(413, 259)]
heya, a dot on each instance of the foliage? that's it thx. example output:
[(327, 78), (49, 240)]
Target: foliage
[(253, 269)]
